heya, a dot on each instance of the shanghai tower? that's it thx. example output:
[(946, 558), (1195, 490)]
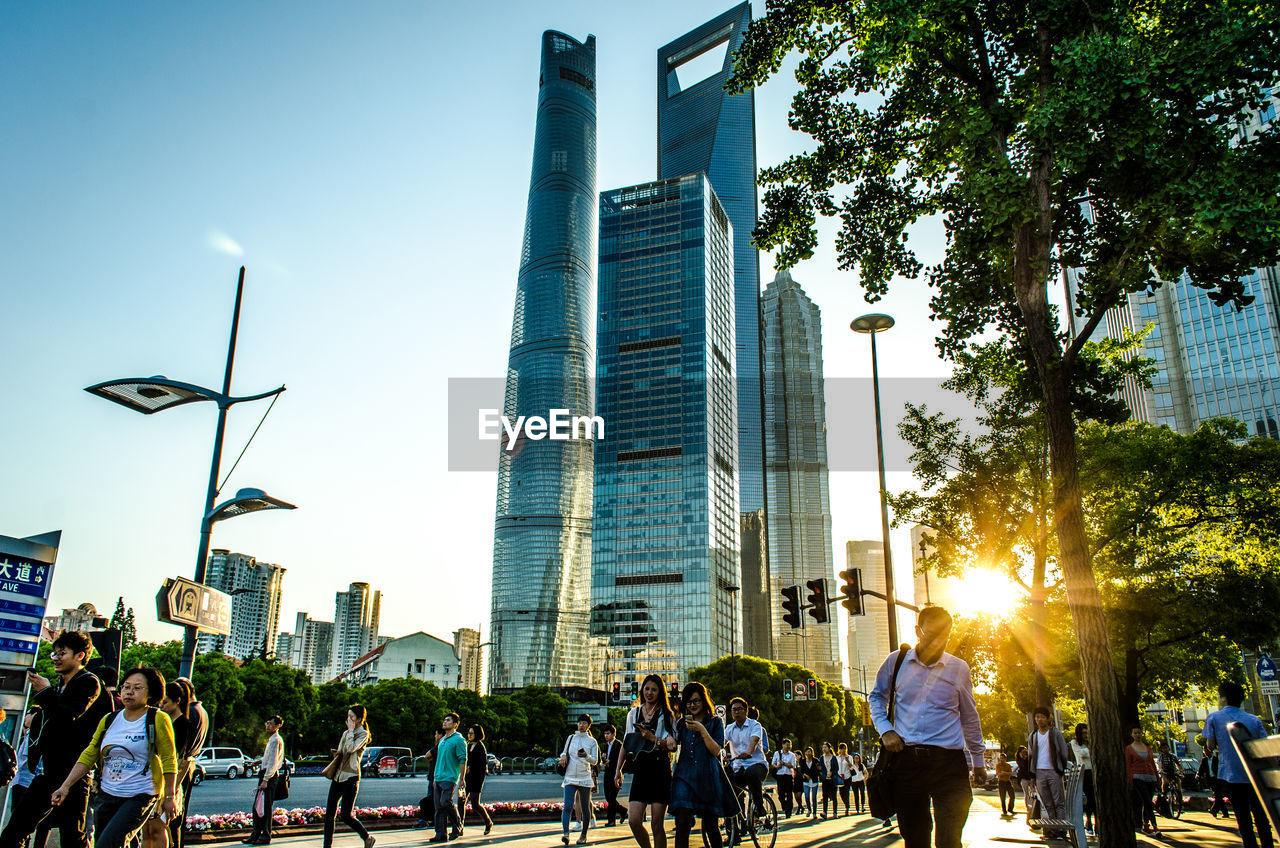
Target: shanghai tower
[(542, 527)]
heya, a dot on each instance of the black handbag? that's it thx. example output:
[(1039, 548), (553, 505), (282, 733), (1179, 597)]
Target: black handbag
[(880, 800), (635, 747), (282, 785)]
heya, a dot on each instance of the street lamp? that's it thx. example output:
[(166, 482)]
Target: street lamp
[(872, 324), (733, 632), (149, 395), (925, 569)]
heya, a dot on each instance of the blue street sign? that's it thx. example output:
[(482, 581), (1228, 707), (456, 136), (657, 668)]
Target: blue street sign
[(1266, 668)]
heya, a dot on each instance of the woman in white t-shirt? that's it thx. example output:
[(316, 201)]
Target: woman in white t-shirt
[(1079, 745), (134, 752), (858, 780), (578, 758)]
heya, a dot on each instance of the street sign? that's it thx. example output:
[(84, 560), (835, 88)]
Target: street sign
[(188, 603), (802, 690), (720, 712), (1267, 676)]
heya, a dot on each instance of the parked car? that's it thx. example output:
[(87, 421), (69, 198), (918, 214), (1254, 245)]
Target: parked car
[(223, 762), (386, 761), (495, 765), (1190, 767), (197, 773)]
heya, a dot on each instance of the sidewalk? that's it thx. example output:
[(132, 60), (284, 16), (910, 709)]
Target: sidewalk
[(985, 829)]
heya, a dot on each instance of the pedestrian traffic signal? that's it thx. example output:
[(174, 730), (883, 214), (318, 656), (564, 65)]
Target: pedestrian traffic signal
[(675, 691), (635, 689), (818, 600), (617, 692), (786, 689), (852, 591), (813, 689), (791, 603)]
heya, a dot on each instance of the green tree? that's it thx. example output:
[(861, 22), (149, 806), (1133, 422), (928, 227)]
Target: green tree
[(760, 682), (272, 688), (327, 720), (162, 656), (546, 716), (510, 725), (122, 620), (1003, 119), (218, 687), (403, 711)]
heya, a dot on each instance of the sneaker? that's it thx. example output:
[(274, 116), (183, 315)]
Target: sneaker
[(565, 839), (368, 842), (575, 826)]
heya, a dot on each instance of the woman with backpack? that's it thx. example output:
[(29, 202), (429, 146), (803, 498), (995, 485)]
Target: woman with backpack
[(134, 754), (155, 833), (647, 746)]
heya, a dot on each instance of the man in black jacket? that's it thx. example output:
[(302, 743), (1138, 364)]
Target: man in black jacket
[(612, 753), (72, 708)]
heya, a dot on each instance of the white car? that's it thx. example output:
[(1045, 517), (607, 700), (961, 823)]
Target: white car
[(224, 762)]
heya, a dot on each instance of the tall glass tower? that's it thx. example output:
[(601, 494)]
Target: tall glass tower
[(542, 530), (665, 551), (796, 471), (704, 130)]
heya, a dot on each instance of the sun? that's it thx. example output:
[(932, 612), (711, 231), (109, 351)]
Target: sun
[(984, 591)]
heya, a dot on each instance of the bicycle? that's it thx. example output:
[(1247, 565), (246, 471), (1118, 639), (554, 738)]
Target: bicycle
[(1171, 800), (764, 833)]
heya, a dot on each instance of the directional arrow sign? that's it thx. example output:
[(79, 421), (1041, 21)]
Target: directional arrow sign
[(188, 603), (1267, 676)]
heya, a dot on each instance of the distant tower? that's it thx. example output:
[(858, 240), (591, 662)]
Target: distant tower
[(255, 605), (869, 633), (666, 526), (542, 529), (797, 473), (355, 625)]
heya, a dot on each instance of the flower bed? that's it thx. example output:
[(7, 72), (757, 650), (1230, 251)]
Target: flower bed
[(407, 813)]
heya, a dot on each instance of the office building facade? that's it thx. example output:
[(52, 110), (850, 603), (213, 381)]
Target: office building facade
[(255, 604), (796, 471), (868, 633), (542, 527), (466, 644), (666, 514)]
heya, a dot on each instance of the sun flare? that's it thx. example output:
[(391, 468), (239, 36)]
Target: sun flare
[(987, 592)]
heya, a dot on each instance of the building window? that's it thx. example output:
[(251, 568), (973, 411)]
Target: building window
[(433, 668), (446, 669), (419, 664)]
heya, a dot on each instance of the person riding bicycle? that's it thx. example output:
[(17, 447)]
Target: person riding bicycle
[(1170, 778), (744, 738)]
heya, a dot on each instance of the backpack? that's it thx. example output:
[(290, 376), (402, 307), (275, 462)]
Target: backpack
[(151, 739), (8, 763)]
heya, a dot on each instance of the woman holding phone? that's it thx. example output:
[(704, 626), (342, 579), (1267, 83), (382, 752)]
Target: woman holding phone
[(346, 781), (653, 724), (698, 785)]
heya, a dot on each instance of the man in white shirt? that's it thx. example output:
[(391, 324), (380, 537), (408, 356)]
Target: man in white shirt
[(271, 760), (784, 770), (745, 738), (1048, 753)]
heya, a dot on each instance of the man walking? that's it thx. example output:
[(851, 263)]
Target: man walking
[(922, 706), (272, 758), (612, 753), (1231, 774), (784, 770), (450, 770), (71, 709), (1047, 751), (199, 719)]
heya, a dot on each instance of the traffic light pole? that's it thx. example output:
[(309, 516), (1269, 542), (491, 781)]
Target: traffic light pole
[(902, 604)]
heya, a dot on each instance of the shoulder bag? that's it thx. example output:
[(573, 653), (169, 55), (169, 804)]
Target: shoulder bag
[(635, 746), (282, 785), (880, 800)]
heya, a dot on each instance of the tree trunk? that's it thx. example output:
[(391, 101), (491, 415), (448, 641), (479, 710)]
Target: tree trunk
[(1032, 243), (1036, 614), (1129, 704)]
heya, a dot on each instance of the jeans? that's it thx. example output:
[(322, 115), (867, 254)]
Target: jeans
[(811, 797), (926, 775), (1245, 801), (859, 795), (829, 794), (342, 795), (752, 777), (35, 809), (445, 795), (583, 793), (1006, 791), (1144, 808), (1052, 803), (118, 820), (784, 793)]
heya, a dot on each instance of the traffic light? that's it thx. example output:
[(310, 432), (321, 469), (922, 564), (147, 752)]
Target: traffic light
[(675, 692), (852, 591), (818, 600), (813, 689), (617, 692), (791, 603), (635, 689), (786, 690)]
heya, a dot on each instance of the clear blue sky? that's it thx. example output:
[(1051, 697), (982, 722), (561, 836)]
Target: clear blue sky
[(372, 162)]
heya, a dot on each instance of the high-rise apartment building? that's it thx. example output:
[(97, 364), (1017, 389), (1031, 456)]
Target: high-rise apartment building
[(796, 471), (313, 648), (255, 604), (466, 645), (666, 519), (355, 625), (868, 633), (542, 528)]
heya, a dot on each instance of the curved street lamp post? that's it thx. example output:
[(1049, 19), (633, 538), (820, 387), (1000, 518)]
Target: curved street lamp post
[(155, 394)]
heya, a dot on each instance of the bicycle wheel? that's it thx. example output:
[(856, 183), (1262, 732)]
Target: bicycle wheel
[(1176, 802), (766, 830)]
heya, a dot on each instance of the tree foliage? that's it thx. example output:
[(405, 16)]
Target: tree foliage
[(760, 682)]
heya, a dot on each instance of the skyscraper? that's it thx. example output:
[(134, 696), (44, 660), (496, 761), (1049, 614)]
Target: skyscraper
[(796, 472), (466, 645), (255, 605), (313, 648), (868, 633), (542, 528), (665, 547), (355, 624)]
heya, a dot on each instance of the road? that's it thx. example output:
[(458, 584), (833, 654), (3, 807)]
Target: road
[(219, 795)]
